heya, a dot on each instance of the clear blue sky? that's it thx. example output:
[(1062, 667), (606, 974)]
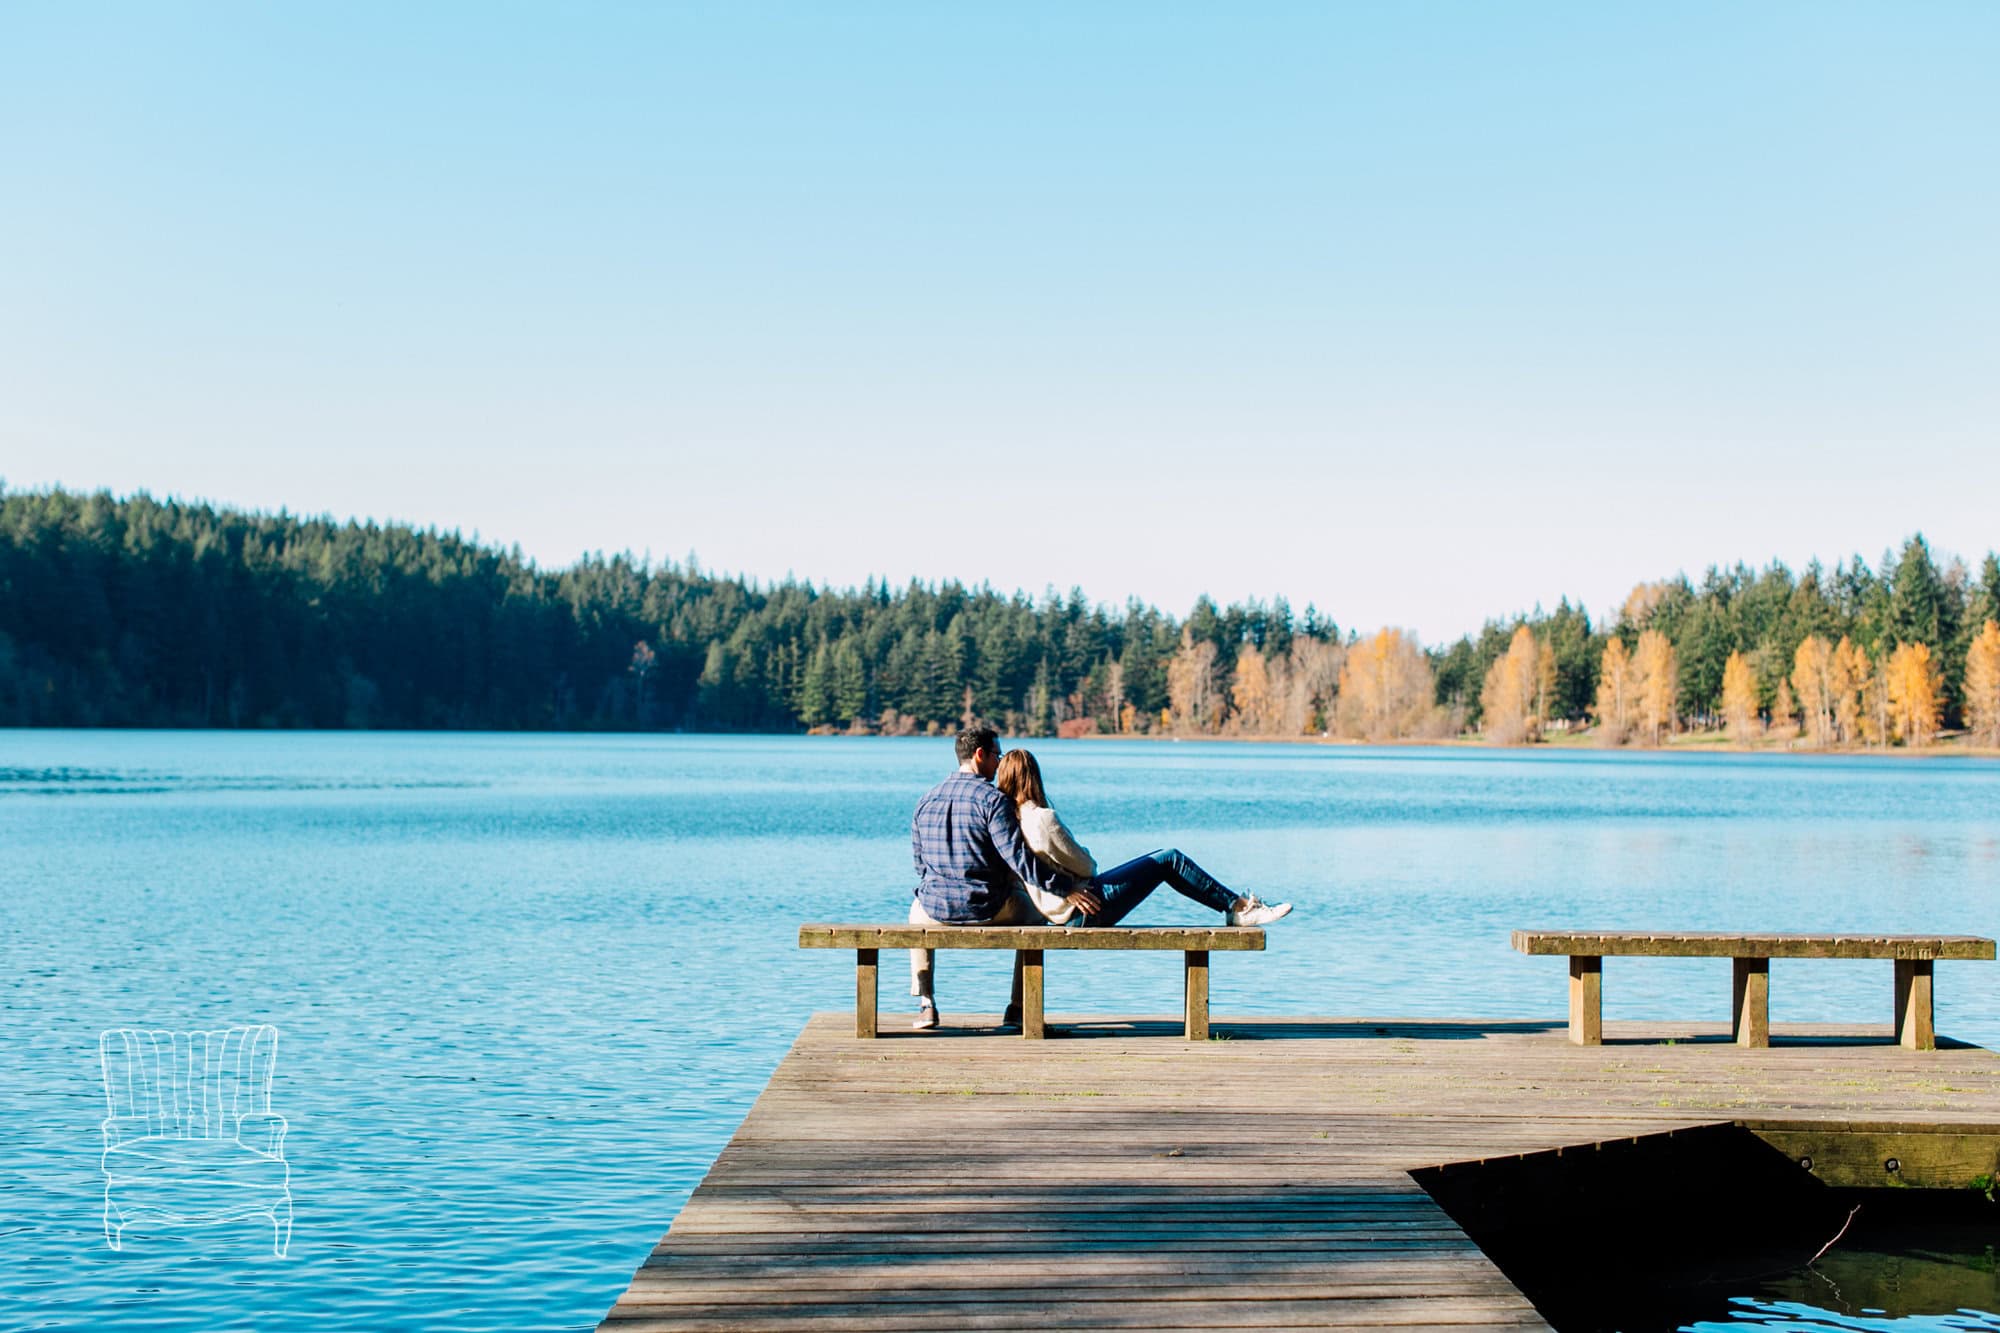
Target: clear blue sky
[(1421, 312)]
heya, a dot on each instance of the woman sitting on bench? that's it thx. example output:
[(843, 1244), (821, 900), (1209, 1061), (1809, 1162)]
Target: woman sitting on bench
[(1122, 887)]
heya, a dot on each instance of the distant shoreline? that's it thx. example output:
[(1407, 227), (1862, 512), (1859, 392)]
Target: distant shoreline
[(1951, 747)]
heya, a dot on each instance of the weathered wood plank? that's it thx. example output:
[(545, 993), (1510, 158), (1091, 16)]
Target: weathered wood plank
[(1736, 944), (1117, 1180), (1225, 938)]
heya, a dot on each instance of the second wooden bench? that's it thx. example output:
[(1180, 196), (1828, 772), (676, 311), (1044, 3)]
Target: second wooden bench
[(1750, 999), (1030, 942)]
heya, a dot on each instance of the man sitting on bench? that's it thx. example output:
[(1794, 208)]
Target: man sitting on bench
[(972, 862), (968, 840)]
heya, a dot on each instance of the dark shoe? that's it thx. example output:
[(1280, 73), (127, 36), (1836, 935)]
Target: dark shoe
[(1012, 1018)]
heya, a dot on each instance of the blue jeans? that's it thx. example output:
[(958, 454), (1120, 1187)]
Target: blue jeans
[(1125, 887)]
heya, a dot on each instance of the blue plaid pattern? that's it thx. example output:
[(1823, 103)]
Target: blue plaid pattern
[(967, 845)]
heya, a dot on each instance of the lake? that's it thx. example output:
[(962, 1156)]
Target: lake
[(528, 985)]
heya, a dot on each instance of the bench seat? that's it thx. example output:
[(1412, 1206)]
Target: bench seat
[(1029, 942), (1752, 953)]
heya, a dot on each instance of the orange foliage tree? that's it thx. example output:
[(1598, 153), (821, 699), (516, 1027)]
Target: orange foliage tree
[(1616, 691), (1514, 687), (1386, 688), (1739, 698), (1982, 686), (1915, 693), (1659, 676)]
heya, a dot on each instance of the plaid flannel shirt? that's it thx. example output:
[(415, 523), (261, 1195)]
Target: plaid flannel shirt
[(966, 841)]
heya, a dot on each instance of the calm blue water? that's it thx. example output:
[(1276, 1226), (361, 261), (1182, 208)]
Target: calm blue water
[(528, 985)]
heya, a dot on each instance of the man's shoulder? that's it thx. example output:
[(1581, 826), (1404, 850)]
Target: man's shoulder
[(963, 786)]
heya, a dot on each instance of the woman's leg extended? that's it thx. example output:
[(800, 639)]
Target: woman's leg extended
[(1191, 881), (1125, 887)]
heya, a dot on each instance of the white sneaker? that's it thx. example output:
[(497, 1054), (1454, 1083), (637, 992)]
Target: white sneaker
[(1256, 912), (927, 1016)]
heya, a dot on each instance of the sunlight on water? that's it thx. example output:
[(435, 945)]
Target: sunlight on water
[(527, 985), (1792, 1317)]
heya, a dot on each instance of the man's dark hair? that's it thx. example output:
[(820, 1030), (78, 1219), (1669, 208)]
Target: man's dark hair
[(974, 739)]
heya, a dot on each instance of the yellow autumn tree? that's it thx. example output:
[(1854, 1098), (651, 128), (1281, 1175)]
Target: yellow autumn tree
[(1616, 689), (1386, 689), (1846, 679), (1513, 683), (1659, 681), (1915, 693), (1194, 703), (1811, 665), (1311, 686), (1874, 724), (1784, 712), (1982, 686), (1739, 699), (1250, 692), (1545, 684)]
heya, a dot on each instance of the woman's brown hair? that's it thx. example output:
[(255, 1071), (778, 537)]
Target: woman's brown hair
[(1020, 778)]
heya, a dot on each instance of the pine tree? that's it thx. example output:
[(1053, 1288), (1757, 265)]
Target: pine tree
[(850, 682), (816, 692)]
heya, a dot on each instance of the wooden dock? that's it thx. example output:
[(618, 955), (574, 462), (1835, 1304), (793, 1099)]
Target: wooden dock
[(1124, 1178)]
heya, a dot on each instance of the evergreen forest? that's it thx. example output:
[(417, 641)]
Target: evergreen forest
[(145, 612)]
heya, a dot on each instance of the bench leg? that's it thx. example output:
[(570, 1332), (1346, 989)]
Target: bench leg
[(1750, 1001), (1586, 1000), (1195, 996), (865, 968), (1031, 993), (1914, 1014)]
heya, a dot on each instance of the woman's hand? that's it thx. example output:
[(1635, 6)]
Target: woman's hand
[(1087, 901)]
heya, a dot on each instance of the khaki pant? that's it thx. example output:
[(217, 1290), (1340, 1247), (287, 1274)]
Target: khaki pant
[(1018, 910)]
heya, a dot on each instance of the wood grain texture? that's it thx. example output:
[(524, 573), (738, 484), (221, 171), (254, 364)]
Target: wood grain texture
[(964, 1179), (1728, 944), (1750, 993), (824, 936), (1750, 1001)]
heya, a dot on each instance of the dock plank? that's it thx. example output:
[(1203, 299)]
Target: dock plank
[(954, 1180)]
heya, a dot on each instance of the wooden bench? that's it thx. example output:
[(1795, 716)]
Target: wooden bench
[(1750, 1007), (1030, 942)]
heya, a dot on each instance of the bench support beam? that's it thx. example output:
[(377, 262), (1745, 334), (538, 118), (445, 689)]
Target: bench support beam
[(1586, 999), (1195, 999), (865, 970), (1750, 1001), (1914, 1015), (1029, 963)]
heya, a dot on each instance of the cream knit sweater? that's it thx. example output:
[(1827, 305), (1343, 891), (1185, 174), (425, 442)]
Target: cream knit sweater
[(1050, 839)]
